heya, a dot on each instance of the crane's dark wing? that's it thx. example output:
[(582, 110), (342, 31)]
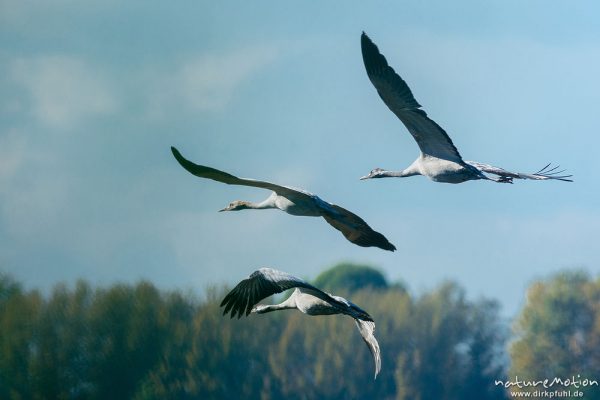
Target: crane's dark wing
[(355, 229), (220, 176), (262, 284), (548, 172), (396, 94)]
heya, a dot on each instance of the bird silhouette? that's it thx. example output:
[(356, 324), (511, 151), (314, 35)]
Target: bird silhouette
[(243, 299), (295, 202), (439, 160)]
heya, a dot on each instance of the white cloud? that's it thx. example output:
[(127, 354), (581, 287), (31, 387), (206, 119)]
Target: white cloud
[(209, 81), (12, 150), (64, 90), (33, 189), (204, 83)]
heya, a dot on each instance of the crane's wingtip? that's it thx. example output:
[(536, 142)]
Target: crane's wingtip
[(366, 42), (175, 152), (182, 160), (364, 38)]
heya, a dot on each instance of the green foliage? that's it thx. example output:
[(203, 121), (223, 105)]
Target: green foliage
[(135, 342), (558, 331), (454, 349), (350, 277), (18, 315)]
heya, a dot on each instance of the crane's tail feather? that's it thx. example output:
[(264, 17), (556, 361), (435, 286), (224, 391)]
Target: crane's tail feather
[(548, 172), (367, 331)]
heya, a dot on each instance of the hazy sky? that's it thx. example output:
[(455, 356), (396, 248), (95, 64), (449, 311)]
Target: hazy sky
[(94, 93)]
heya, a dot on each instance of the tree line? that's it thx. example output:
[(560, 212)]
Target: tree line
[(138, 342)]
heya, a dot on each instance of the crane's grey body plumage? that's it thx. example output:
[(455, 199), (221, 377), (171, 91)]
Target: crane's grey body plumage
[(265, 282), (439, 160), (295, 202)]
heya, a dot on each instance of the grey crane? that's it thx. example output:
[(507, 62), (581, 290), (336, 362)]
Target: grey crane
[(306, 298), (295, 202), (439, 160)]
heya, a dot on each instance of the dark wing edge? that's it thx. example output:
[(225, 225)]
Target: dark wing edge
[(202, 171), (396, 94), (261, 284), (355, 229), (224, 177), (379, 71)]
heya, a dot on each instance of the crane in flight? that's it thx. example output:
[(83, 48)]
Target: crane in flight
[(439, 160), (295, 202), (243, 299)]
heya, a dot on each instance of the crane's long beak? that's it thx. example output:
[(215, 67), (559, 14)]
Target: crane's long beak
[(362, 178), (224, 209)]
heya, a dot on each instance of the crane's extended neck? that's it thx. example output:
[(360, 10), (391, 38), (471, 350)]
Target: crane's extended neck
[(245, 205), (288, 304), (398, 174), (381, 173), (263, 205)]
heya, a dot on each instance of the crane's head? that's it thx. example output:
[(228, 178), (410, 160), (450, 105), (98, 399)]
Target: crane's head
[(376, 173), (261, 309), (236, 206)]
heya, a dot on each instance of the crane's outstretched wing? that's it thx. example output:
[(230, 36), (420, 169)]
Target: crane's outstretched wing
[(262, 284), (545, 173), (367, 331), (220, 176), (355, 229), (396, 94), (366, 327)]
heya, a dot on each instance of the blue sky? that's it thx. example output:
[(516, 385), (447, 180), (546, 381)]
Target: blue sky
[(94, 94)]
